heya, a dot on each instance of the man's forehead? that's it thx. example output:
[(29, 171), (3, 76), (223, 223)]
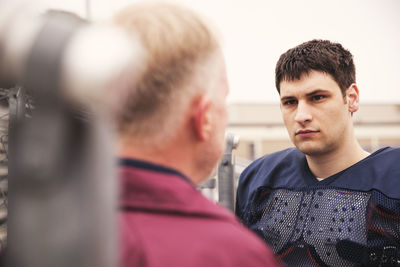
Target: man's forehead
[(307, 83)]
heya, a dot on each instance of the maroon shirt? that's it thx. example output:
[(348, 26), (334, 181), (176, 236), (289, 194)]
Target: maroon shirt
[(165, 221)]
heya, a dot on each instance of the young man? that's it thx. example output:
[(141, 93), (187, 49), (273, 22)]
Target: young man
[(326, 202), (171, 135)]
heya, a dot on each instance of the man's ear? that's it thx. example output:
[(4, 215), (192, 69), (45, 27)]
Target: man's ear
[(352, 97), (202, 118)]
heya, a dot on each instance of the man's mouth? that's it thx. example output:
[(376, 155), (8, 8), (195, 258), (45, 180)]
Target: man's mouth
[(306, 132)]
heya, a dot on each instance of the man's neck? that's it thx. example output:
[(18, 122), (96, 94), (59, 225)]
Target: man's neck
[(326, 165), (167, 156)]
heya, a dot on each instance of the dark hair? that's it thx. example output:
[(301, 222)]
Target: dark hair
[(319, 55)]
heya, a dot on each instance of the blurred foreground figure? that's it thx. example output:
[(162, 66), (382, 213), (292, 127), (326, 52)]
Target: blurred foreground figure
[(171, 135), (62, 178), (326, 202)]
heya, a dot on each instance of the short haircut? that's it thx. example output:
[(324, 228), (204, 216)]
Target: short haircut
[(178, 44), (318, 55)]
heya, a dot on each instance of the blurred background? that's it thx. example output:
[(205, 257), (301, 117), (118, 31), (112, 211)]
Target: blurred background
[(256, 32)]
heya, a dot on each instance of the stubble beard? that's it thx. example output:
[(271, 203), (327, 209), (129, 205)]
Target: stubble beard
[(315, 148)]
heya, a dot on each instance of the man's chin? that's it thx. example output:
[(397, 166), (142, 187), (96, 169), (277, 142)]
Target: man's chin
[(310, 150)]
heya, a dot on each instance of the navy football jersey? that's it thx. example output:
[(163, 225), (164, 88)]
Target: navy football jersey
[(351, 218)]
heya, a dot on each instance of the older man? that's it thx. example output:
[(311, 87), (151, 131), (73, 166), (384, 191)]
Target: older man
[(171, 135)]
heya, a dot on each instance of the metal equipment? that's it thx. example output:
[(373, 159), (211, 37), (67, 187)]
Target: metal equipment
[(226, 178)]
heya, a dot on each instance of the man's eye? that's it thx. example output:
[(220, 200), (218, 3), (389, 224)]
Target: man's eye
[(317, 97), (289, 102)]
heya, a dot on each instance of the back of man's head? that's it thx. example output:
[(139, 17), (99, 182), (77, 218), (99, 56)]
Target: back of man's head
[(179, 46), (319, 55)]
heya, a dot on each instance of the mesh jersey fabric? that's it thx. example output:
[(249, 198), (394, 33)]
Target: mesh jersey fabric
[(351, 218)]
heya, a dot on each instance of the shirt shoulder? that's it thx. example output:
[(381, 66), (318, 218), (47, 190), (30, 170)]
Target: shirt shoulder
[(281, 162), (220, 240), (379, 171), (283, 169)]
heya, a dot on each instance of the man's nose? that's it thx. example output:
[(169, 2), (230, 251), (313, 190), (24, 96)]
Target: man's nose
[(303, 113)]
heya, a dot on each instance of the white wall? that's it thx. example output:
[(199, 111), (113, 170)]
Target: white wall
[(256, 32)]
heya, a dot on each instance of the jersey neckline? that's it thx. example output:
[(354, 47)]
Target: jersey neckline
[(311, 179)]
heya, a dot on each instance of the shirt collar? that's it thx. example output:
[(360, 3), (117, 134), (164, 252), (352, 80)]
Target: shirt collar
[(129, 162)]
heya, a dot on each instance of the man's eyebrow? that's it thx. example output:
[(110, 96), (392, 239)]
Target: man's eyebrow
[(287, 98), (317, 91)]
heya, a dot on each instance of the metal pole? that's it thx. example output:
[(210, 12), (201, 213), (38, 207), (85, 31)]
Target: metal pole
[(226, 193), (16, 107)]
